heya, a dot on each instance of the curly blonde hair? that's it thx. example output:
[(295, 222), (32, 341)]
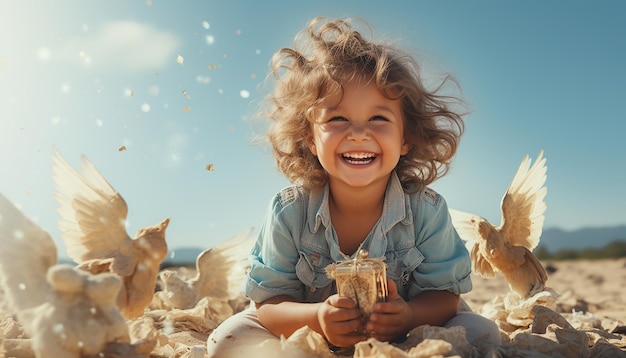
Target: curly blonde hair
[(326, 54)]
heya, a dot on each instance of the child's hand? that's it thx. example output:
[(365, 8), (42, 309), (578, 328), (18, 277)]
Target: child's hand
[(391, 318), (341, 321)]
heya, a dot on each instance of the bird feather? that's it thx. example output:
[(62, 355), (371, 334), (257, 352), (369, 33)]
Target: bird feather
[(523, 204), (481, 264), (65, 312), (465, 225), (26, 255), (93, 213), (93, 227), (508, 247), (220, 268)]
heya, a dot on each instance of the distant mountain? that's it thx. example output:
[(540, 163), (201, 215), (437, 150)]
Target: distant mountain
[(556, 239), (551, 239), (182, 256)]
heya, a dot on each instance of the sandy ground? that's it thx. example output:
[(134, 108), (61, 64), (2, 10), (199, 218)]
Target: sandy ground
[(596, 289)]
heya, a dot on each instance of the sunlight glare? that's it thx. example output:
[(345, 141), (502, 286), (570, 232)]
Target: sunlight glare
[(65, 88), (44, 54), (154, 90)]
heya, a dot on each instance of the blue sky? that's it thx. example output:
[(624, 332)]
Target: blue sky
[(91, 76)]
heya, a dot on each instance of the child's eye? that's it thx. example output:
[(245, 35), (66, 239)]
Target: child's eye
[(378, 118), (337, 119)]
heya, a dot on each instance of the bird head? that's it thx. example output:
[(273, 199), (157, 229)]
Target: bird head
[(170, 279), (151, 239), (483, 227)]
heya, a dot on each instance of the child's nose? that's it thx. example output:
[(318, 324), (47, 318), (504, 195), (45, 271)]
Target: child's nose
[(358, 131)]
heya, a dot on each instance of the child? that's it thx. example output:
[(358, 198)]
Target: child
[(355, 129)]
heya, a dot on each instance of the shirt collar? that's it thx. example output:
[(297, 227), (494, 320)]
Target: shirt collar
[(396, 207)]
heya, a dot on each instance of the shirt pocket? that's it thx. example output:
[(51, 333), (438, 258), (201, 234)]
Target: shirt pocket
[(311, 269), (401, 263)]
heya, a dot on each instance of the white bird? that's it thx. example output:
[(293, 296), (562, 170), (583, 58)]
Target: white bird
[(67, 312), (220, 271), (508, 248), (93, 228)]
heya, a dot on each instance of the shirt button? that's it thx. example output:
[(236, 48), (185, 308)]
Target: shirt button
[(312, 289)]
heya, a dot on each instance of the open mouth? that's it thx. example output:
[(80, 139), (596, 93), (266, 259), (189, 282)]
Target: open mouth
[(359, 158)]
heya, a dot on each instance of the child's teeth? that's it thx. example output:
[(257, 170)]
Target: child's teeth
[(359, 158)]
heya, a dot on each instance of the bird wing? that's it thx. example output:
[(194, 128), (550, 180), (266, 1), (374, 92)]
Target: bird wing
[(525, 274), (465, 225), (523, 204), (221, 268), (93, 213), (26, 254), (481, 264), (538, 271)]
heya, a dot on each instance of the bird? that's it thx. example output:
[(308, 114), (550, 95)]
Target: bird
[(507, 248), (220, 271), (67, 312), (93, 228)]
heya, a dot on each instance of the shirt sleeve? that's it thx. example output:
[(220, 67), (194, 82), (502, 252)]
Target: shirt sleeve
[(446, 264), (275, 255)]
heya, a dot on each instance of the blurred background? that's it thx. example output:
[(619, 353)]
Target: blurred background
[(161, 96)]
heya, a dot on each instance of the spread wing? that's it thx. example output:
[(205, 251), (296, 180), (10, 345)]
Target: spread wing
[(93, 213), (221, 268), (481, 264), (466, 226), (26, 254), (523, 204)]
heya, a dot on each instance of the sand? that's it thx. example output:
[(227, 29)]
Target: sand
[(596, 287), (591, 292)]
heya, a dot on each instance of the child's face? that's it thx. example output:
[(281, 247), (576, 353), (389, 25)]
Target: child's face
[(358, 139)]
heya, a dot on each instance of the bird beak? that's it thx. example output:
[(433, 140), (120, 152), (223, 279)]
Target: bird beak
[(164, 223)]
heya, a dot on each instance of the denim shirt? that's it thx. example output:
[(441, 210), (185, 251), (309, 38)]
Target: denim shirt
[(297, 241)]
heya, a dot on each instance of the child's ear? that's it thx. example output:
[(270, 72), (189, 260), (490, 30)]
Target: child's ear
[(311, 144), (404, 149)]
